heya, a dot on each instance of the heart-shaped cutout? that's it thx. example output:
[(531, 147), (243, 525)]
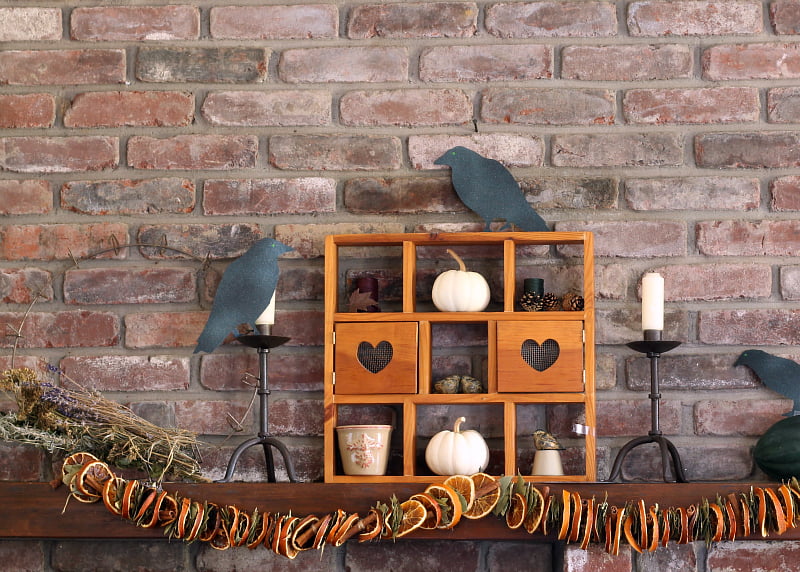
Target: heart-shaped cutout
[(374, 358), (540, 357)]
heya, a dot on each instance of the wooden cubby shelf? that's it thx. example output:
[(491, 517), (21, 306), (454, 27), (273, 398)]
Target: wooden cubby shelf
[(408, 326)]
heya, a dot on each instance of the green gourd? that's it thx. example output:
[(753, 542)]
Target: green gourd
[(777, 452)]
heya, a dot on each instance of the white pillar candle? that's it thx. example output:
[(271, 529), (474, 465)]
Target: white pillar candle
[(267, 317), (652, 301)]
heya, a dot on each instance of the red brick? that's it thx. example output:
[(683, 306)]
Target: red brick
[(307, 21), (548, 106), (742, 417), (151, 555), (202, 65), (59, 241), (752, 555), (785, 193), (211, 560), (201, 241), (212, 417), (694, 18), (627, 62), (702, 463), (571, 192), (130, 108), (426, 555), (335, 152), (59, 154), (413, 20), (30, 24), (301, 284), (759, 327), (287, 372), (485, 63), (783, 105), (747, 150), (551, 19), (511, 150), (129, 286), (635, 239), (308, 240), (27, 110), (400, 195), (748, 238), (691, 373), (77, 329), (405, 108), (350, 64), (520, 556), (692, 193), (628, 417), (25, 197), (711, 281), (623, 325), (23, 555), (36, 363), (596, 559), (751, 61), (213, 152), (135, 23), (62, 67), (129, 196), (617, 150), (128, 373), (305, 327), (163, 329), (300, 417), (269, 196), (24, 285), (785, 16), (681, 106), (276, 108), (19, 463), (790, 282)]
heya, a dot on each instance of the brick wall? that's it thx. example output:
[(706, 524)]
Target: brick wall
[(669, 129)]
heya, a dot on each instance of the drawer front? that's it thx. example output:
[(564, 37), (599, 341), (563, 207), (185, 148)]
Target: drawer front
[(376, 357), (544, 356)]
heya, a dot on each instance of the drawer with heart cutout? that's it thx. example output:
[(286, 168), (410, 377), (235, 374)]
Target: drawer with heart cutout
[(375, 357), (541, 356)]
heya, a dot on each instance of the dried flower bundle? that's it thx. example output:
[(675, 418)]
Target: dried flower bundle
[(61, 419)]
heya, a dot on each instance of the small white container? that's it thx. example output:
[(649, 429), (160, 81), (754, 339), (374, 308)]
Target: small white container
[(364, 449), (547, 462)]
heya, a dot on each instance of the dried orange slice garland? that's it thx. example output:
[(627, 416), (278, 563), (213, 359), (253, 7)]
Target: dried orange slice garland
[(520, 504)]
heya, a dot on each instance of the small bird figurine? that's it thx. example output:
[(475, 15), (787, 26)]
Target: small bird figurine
[(544, 441), (489, 189), (243, 293), (777, 373)]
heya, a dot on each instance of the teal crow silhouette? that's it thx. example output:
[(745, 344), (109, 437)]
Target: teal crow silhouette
[(777, 373), (489, 189), (243, 293)]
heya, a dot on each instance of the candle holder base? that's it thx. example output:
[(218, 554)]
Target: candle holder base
[(653, 347), (263, 343)]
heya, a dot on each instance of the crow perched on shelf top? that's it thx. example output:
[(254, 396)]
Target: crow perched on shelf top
[(777, 373), (244, 292), (489, 189)]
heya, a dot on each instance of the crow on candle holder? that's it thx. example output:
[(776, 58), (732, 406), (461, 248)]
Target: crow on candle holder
[(489, 189), (778, 373), (244, 292)]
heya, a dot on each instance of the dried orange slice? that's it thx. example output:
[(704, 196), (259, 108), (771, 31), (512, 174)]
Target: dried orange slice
[(303, 532), (484, 501), (577, 515), (344, 527), (213, 522), (112, 495), (414, 514), (432, 508), (285, 546), (629, 534), (449, 501), (129, 498), (465, 486), (373, 524), (72, 463), (92, 477), (517, 509), (322, 531), (533, 516), (566, 503), (588, 526)]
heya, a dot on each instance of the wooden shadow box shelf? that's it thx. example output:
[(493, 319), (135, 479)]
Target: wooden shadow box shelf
[(386, 359)]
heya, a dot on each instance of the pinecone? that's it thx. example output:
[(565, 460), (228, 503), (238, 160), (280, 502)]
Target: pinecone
[(550, 301), (531, 302), (572, 302)]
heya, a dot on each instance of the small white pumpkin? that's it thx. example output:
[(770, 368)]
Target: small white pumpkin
[(457, 452), (460, 290)]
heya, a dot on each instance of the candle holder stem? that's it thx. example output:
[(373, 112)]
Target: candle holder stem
[(263, 343), (653, 348)]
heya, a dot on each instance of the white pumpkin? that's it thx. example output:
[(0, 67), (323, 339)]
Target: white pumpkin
[(460, 290), (457, 452)]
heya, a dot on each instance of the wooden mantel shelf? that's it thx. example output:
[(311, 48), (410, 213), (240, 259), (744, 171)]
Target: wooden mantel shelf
[(35, 510)]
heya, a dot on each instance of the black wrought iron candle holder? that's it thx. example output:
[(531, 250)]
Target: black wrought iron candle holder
[(653, 346), (263, 343)]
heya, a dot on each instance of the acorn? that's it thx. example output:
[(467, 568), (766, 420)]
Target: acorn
[(531, 302), (550, 301), (572, 302)]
